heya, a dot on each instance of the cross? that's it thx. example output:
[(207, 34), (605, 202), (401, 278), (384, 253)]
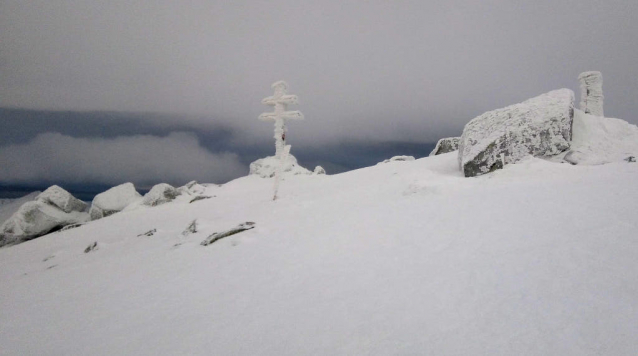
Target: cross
[(280, 101)]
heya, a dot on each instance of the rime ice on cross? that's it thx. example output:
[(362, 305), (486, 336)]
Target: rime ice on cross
[(280, 101)]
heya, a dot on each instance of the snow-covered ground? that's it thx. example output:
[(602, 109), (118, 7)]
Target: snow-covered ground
[(401, 258)]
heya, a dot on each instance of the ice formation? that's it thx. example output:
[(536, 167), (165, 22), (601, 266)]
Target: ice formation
[(541, 126), (591, 93), (280, 102)]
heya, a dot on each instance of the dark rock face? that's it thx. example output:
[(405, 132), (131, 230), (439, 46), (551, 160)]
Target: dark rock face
[(541, 126), (446, 145)]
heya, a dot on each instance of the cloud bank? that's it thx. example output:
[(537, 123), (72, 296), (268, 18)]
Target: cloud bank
[(142, 159)]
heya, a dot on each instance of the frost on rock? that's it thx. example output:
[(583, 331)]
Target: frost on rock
[(113, 200), (319, 171), (398, 159), (600, 140), (591, 93), (267, 167), (541, 126), (446, 145), (192, 188), (37, 218), (61, 199), (160, 194)]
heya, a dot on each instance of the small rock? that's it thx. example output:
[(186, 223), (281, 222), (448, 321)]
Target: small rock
[(91, 247), (148, 233), (199, 197), (446, 145), (191, 229), (631, 159), (319, 171)]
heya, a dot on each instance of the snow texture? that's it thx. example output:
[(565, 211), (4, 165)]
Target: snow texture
[(591, 93), (160, 194), (446, 145), (398, 159), (267, 167), (37, 218), (396, 259), (192, 188), (9, 206), (541, 126), (113, 200), (599, 140), (62, 199)]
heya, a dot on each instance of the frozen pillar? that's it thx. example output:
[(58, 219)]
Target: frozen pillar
[(591, 93)]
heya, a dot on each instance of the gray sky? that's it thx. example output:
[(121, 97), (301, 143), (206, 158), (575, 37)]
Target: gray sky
[(364, 71)]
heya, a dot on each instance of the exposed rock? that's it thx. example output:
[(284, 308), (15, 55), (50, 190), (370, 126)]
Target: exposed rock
[(160, 194), (541, 126), (191, 229), (446, 145), (199, 197), (61, 199), (34, 219), (319, 170), (113, 200), (267, 167), (220, 235), (148, 233), (398, 159), (591, 93), (91, 247), (631, 159)]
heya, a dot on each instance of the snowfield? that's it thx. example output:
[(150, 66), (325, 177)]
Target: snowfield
[(404, 258)]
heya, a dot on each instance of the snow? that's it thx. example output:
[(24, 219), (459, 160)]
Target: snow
[(591, 93), (540, 126), (408, 258), (600, 140), (9, 206), (267, 167), (398, 159), (160, 194), (114, 200), (60, 198)]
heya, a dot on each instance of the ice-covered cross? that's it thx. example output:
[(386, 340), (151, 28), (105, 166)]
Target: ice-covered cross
[(280, 101)]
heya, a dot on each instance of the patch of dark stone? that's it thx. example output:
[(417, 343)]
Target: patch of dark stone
[(91, 247), (191, 229), (199, 197), (220, 235), (631, 159), (148, 233)]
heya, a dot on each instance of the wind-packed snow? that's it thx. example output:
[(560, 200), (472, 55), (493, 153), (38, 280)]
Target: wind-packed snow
[(600, 140), (408, 258)]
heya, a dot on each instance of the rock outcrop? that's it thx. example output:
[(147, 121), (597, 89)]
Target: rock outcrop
[(445, 145), (541, 126), (52, 210), (61, 199), (319, 170), (192, 188), (591, 93), (113, 200), (160, 194), (267, 167)]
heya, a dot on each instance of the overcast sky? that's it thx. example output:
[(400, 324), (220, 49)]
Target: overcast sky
[(364, 71)]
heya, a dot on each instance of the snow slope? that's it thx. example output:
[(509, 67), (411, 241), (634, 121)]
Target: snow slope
[(401, 258)]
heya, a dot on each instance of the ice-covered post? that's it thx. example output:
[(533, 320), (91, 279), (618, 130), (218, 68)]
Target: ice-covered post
[(280, 101), (591, 93)]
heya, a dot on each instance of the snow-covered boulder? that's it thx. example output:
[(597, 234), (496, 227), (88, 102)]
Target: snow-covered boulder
[(398, 159), (37, 218), (160, 194), (591, 93), (599, 140), (8, 207), (319, 171), (113, 200), (541, 126), (445, 145), (192, 188), (267, 167), (62, 199)]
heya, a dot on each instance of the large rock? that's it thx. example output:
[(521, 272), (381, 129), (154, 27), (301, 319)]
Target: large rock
[(8, 207), (113, 200), (267, 167), (160, 194), (398, 159), (446, 145), (61, 199), (541, 126), (37, 218)]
